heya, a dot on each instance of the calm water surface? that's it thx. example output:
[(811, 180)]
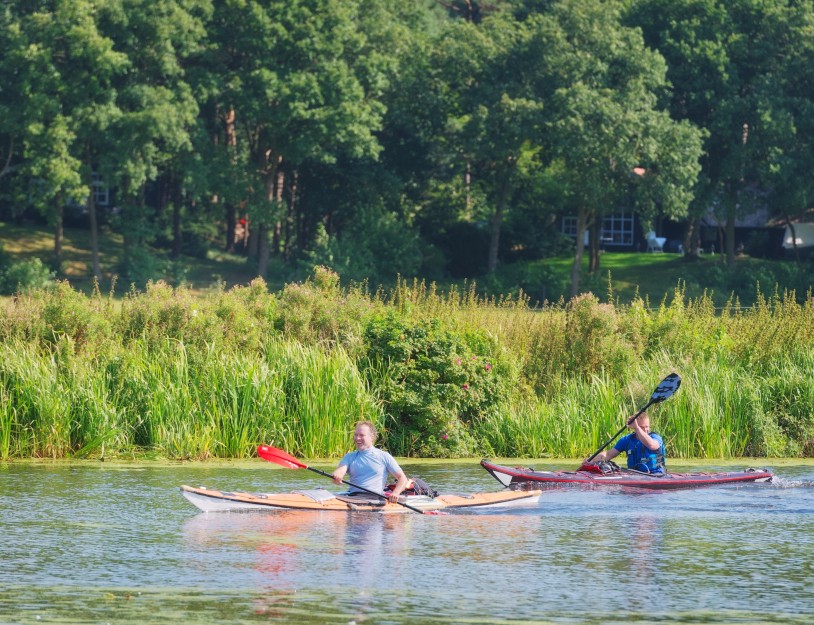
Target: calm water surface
[(95, 543)]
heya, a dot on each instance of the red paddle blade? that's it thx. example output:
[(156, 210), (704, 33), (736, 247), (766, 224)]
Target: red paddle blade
[(272, 454)]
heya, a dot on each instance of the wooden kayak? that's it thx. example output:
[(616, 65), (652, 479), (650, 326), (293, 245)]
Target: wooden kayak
[(211, 500), (528, 477)]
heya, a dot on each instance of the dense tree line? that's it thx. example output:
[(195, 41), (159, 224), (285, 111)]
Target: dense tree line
[(422, 138)]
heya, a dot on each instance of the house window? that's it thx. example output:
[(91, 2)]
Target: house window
[(101, 192), (616, 229)]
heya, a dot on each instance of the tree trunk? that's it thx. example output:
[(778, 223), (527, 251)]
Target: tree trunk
[(177, 235), (692, 237), (253, 243), (274, 179), (468, 189), (6, 168), (793, 240), (94, 234), (494, 240), (729, 239), (228, 120), (593, 246), (291, 219), (497, 221), (576, 267), (262, 250), (231, 226), (279, 227), (58, 233)]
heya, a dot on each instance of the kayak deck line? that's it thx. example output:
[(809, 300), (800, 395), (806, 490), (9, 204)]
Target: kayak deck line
[(212, 500)]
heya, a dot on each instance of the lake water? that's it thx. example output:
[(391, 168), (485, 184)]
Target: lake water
[(99, 543)]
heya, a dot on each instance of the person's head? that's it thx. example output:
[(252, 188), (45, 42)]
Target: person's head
[(364, 435), (644, 422)]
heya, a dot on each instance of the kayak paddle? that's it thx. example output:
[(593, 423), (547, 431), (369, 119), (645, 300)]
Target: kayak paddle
[(665, 390), (278, 456)]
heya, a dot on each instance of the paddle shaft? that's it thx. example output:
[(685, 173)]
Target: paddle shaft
[(362, 488)]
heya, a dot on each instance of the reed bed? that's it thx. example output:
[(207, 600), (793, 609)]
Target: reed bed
[(449, 374)]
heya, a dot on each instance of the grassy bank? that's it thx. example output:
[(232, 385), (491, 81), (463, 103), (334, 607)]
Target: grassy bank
[(446, 374)]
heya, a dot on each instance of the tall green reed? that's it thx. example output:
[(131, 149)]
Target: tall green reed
[(325, 395), (196, 377), (8, 425)]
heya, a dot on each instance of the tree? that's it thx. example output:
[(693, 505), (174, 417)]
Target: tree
[(304, 83), (52, 55), (785, 111), (603, 118), (738, 70), (157, 112), (491, 117)]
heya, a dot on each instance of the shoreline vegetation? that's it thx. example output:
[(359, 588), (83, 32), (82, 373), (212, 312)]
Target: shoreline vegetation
[(163, 373)]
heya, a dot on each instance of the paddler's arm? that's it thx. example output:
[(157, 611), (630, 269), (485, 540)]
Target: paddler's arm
[(339, 473), (608, 454), (401, 484), (648, 441)]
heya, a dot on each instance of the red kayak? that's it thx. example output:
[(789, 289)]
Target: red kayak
[(527, 477)]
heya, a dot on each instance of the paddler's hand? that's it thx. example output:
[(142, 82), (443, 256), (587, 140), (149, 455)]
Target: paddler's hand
[(339, 474), (393, 498)]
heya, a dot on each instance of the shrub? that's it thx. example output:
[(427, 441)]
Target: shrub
[(139, 265), (377, 247), (319, 310), (596, 339), (25, 275), (434, 383)]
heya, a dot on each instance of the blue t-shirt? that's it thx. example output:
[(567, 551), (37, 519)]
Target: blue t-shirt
[(369, 468), (640, 457)]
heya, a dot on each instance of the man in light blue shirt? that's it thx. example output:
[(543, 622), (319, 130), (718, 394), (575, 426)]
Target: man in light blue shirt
[(368, 466)]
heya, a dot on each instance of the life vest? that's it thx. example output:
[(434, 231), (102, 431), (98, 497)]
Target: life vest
[(640, 458)]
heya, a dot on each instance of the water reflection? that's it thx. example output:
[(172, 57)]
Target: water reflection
[(643, 548), (357, 553)]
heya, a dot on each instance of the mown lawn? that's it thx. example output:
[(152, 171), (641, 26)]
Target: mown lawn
[(22, 242), (656, 277)]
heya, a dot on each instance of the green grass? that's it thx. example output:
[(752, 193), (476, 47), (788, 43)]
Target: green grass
[(199, 274), (625, 276), (622, 276)]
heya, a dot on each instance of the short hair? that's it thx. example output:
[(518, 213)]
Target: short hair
[(369, 424)]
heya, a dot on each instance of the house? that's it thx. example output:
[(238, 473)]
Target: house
[(798, 238)]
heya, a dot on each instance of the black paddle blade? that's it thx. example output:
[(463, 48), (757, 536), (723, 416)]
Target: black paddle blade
[(668, 386)]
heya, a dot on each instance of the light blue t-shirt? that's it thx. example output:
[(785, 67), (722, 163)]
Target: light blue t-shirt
[(369, 468)]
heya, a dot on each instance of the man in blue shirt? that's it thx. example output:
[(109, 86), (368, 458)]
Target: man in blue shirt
[(644, 449), (369, 466)]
